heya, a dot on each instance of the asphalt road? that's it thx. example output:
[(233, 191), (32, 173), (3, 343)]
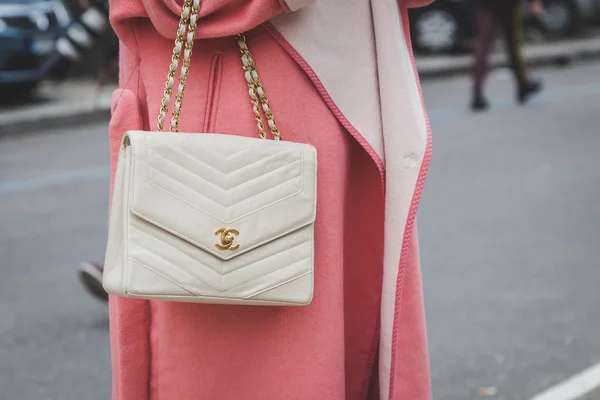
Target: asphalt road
[(509, 225)]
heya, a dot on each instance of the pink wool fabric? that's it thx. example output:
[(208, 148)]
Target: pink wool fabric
[(327, 350)]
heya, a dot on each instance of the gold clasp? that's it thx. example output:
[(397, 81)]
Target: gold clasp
[(227, 238)]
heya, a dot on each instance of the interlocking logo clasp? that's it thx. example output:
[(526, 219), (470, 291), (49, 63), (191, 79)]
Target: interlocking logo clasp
[(227, 239)]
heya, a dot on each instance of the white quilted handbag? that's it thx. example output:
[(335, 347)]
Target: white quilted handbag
[(212, 218)]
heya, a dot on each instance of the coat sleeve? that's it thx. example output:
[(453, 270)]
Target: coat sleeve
[(129, 318), (218, 18)]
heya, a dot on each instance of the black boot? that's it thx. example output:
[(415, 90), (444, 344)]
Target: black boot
[(479, 103), (525, 92)]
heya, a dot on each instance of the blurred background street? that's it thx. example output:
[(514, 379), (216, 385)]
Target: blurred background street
[(509, 234), (509, 219), (509, 227)]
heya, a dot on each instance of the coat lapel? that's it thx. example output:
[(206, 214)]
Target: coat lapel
[(376, 94)]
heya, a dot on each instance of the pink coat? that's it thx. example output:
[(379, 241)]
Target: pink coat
[(340, 75)]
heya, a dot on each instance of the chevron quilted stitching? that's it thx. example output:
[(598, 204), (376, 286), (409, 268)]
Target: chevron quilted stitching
[(232, 214), (187, 186), (229, 180), (219, 208), (265, 281), (165, 271), (253, 196), (193, 252), (229, 144), (232, 163), (152, 234), (286, 248), (256, 290), (277, 286), (210, 275), (270, 181), (252, 287), (228, 152), (195, 292), (293, 268), (187, 289), (210, 155)]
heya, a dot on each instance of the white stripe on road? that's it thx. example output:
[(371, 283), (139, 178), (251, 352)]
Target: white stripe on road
[(574, 387)]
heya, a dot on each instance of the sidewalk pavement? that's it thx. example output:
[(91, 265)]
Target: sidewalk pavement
[(75, 102), (541, 54), (55, 105)]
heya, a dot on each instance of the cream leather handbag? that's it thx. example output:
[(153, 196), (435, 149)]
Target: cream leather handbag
[(212, 218)]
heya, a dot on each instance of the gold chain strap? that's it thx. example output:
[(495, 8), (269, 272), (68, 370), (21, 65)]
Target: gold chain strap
[(256, 91), (164, 106), (185, 68), (258, 96)]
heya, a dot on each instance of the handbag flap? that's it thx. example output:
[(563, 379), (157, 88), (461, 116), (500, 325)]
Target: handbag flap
[(226, 194)]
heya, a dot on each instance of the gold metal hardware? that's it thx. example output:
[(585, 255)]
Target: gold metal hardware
[(227, 238), (188, 10), (256, 90), (184, 43)]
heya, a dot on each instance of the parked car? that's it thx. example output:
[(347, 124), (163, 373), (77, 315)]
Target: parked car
[(446, 25), (562, 17), (29, 30), (442, 26)]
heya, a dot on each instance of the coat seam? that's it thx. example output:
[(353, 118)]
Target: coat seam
[(213, 93)]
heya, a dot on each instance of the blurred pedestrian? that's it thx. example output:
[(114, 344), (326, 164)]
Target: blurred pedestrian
[(340, 75), (90, 275), (94, 22), (507, 15)]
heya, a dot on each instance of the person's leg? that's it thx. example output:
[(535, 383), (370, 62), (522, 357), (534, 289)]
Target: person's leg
[(509, 18), (511, 22), (485, 34), (90, 275)]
